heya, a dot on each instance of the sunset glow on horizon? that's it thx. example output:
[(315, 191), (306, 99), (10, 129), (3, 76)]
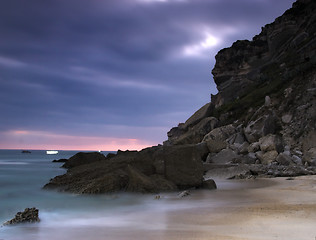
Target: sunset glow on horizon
[(36, 140)]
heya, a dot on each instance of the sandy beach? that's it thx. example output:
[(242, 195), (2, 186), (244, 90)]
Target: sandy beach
[(261, 209), (282, 209)]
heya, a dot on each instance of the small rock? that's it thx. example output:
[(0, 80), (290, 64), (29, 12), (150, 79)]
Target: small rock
[(267, 101), (243, 148), (268, 157), (209, 184), (297, 160), (287, 92), (286, 118), (157, 197), (290, 178), (284, 159), (184, 194), (254, 147), (30, 215)]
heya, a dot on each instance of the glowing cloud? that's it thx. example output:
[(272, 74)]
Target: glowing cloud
[(199, 48)]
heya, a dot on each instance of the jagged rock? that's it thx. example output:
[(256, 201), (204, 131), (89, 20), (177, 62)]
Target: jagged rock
[(29, 215), (288, 41)]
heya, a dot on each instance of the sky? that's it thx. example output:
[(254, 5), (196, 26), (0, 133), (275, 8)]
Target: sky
[(113, 74)]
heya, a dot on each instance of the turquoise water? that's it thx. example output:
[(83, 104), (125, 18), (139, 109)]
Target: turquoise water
[(67, 216)]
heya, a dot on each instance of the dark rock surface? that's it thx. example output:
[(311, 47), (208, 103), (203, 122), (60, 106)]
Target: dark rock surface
[(62, 160), (29, 215), (83, 158), (155, 169)]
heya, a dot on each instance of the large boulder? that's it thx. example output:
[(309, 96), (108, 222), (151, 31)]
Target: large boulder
[(182, 164), (267, 157), (223, 157), (270, 143), (215, 146), (160, 168), (220, 133)]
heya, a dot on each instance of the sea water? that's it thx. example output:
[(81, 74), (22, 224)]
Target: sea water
[(106, 216)]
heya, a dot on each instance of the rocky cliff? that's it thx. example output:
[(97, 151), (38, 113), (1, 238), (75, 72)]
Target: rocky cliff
[(265, 86), (261, 123)]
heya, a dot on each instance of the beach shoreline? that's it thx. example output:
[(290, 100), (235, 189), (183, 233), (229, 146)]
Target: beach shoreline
[(282, 209)]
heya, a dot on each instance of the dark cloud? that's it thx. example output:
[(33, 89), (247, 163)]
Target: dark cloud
[(111, 68)]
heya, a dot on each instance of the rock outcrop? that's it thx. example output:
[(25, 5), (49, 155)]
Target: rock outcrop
[(262, 121), (155, 169), (266, 99), (29, 215)]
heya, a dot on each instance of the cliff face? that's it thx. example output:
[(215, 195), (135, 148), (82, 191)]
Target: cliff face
[(287, 43), (266, 86)]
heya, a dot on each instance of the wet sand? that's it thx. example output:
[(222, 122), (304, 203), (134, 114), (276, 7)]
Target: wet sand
[(279, 209), (240, 210)]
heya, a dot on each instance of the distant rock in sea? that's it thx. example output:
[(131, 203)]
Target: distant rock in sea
[(26, 151)]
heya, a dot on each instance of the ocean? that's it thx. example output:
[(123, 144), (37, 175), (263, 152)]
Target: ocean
[(106, 216)]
